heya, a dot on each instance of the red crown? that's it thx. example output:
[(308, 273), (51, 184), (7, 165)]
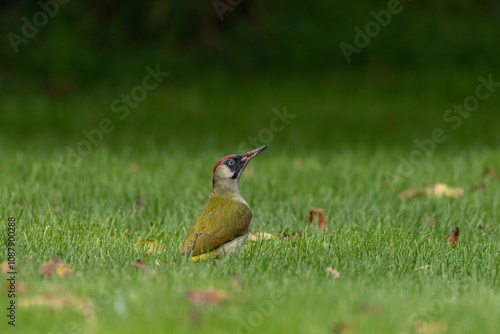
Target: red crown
[(217, 165)]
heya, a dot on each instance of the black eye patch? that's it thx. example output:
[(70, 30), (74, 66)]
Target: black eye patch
[(234, 164)]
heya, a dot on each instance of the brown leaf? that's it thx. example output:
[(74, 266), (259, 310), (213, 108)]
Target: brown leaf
[(139, 264), (343, 327), (333, 272), (490, 172), (443, 190), (5, 267), (59, 301), (431, 327), (57, 267), (148, 245), (212, 297), (311, 215), (138, 201), (409, 193), (20, 287), (452, 238), (254, 236), (295, 234), (321, 217)]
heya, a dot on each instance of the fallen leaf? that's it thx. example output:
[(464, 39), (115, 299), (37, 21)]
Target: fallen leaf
[(20, 287), (59, 301), (149, 246), (410, 193), (254, 236), (295, 234), (138, 201), (443, 190), (321, 217), (57, 267), (452, 238), (490, 172), (333, 272), (343, 327), (423, 267), (212, 297), (139, 264), (425, 327), (5, 267)]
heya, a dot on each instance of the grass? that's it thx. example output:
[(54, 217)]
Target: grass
[(396, 276)]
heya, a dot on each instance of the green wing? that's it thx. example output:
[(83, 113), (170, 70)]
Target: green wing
[(221, 220)]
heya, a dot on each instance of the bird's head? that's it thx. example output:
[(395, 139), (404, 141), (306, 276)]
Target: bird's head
[(227, 171)]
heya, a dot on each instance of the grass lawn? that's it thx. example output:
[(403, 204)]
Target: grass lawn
[(396, 276)]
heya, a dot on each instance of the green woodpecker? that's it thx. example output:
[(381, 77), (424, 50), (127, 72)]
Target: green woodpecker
[(223, 225)]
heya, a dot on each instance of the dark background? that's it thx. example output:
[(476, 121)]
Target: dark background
[(226, 76)]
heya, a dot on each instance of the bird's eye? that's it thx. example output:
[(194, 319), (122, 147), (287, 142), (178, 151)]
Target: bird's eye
[(230, 162)]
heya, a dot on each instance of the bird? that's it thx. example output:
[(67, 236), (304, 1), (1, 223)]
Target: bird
[(224, 223)]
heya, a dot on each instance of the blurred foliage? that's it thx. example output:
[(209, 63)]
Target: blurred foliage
[(110, 40)]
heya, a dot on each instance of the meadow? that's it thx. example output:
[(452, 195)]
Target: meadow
[(149, 176)]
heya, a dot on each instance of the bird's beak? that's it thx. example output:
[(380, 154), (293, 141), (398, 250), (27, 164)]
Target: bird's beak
[(250, 155)]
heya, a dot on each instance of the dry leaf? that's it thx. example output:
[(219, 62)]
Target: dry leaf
[(343, 327), (139, 264), (295, 234), (423, 267), (428, 327), (490, 172), (254, 236), (212, 297), (59, 301), (148, 245), (321, 217), (409, 193), (333, 272), (443, 190), (5, 267), (20, 287), (452, 238), (56, 266)]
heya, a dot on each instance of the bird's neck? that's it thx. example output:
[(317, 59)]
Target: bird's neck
[(229, 190)]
